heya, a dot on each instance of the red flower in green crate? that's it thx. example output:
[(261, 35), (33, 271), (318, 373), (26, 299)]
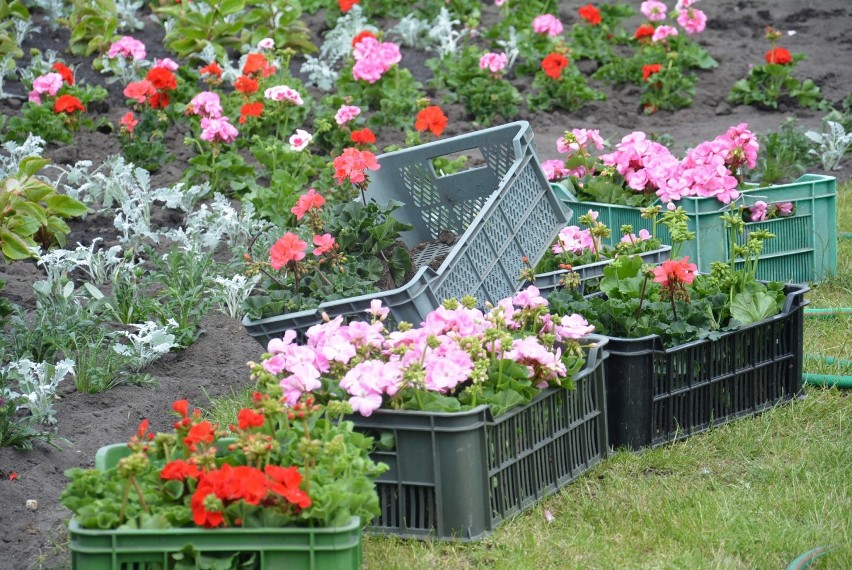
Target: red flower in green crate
[(287, 249), (553, 64), (779, 56), (431, 119), (286, 482), (179, 470), (590, 13)]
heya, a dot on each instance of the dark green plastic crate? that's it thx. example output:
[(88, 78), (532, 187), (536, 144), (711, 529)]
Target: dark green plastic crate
[(657, 395), (292, 548), (804, 250), (456, 476)]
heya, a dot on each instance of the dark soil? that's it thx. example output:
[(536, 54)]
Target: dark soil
[(215, 365)]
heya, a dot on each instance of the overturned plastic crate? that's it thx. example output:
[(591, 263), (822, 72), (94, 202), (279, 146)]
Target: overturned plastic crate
[(501, 210), (805, 246), (299, 548), (549, 282), (657, 395), (456, 476)]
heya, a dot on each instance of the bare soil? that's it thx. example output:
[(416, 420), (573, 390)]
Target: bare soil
[(215, 365)]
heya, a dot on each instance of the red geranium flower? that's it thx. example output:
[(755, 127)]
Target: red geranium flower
[(245, 84), (675, 272), (311, 199), (779, 56), (64, 71), (139, 91), (67, 104), (288, 248), (591, 14), (199, 433), (361, 36), (250, 110), (553, 64), (256, 63), (431, 119), (649, 70), (286, 483), (346, 5), (181, 407), (211, 69), (644, 31), (248, 418), (363, 136), (162, 79), (159, 100), (179, 470)]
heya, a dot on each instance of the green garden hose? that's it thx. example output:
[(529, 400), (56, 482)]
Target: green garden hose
[(828, 380), (806, 558)]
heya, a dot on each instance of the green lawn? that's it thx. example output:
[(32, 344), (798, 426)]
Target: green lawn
[(752, 494)]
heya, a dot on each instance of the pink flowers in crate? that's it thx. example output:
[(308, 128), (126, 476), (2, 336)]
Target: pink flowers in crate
[(573, 239), (633, 238), (493, 62), (287, 249), (554, 169), (218, 129), (373, 59), (579, 139), (454, 345), (127, 47), (547, 24)]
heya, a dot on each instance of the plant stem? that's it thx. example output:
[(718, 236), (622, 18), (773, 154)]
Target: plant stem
[(641, 298), (139, 492)]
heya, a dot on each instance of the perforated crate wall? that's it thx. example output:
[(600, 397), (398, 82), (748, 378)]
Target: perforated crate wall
[(805, 246), (456, 476), (501, 210), (657, 395)]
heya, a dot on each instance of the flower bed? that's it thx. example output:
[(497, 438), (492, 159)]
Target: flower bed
[(457, 476)]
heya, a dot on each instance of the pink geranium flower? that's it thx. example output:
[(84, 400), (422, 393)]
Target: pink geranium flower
[(127, 47), (218, 130), (300, 140), (547, 24), (346, 113), (663, 32), (206, 104), (654, 10), (353, 164), (311, 199), (324, 243), (494, 62), (284, 93), (692, 20), (288, 248)]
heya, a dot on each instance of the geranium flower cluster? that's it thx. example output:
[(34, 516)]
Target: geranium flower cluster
[(50, 84), (374, 58), (761, 211), (711, 169), (692, 20), (154, 90), (450, 351)]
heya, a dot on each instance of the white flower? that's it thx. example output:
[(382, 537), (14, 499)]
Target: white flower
[(300, 140), (266, 44)]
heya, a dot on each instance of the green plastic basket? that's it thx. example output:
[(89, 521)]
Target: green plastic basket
[(805, 246), (293, 548)]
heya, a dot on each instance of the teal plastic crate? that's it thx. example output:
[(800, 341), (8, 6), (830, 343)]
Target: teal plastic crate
[(805, 246), (296, 548)]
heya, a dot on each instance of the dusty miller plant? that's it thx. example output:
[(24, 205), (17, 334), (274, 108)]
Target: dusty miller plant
[(10, 161), (99, 264), (150, 342), (37, 383), (231, 293), (833, 142), (55, 10), (510, 47), (445, 35), (128, 17), (413, 32)]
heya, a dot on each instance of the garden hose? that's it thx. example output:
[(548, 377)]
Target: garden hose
[(827, 380), (806, 558)]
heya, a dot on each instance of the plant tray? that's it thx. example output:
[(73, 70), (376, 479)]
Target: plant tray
[(503, 210), (658, 395), (297, 548), (456, 476), (549, 282), (805, 246)]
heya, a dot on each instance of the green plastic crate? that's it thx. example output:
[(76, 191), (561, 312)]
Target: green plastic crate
[(456, 476), (293, 548), (805, 246)]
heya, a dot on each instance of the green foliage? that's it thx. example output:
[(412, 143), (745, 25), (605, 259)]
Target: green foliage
[(40, 119), (783, 155), (9, 11), (569, 92), (231, 24), (93, 25), (392, 100), (222, 167), (768, 84), (596, 42), (34, 213), (669, 89), (145, 146)]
